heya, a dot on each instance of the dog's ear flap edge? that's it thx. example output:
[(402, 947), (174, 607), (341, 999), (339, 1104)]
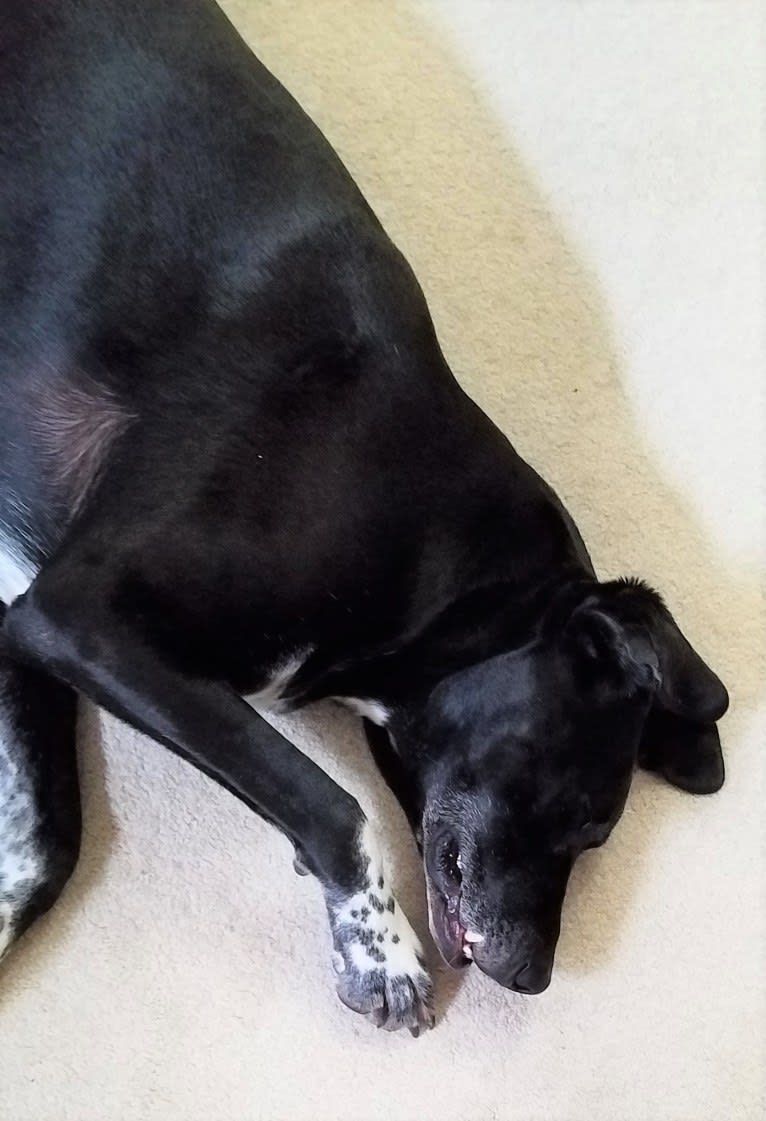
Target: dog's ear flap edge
[(687, 755), (686, 685), (624, 648)]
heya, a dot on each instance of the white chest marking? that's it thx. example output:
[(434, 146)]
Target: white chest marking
[(270, 694), (371, 710), (16, 572)]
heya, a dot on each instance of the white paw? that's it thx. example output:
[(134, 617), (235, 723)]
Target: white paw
[(22, 862), (378, 958)]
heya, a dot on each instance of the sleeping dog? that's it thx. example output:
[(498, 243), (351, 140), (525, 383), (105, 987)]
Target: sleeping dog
[(233, 460)]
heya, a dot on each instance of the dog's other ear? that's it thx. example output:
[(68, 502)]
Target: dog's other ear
[(612, 651), (680, 740), (686, 686), (612, 648), (624, 636), (688, 755)]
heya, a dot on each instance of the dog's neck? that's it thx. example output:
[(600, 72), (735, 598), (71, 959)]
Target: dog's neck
[(484, 622)]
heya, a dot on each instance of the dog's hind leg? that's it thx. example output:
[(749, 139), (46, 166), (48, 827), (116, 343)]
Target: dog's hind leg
[(39, 793)]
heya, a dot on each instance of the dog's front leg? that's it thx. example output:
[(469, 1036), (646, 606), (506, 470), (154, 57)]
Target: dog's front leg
[(404, 785), (377, 956)]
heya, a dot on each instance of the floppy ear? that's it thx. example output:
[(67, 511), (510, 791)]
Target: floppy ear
[(612, 651), (686, 686), (688, 755), (680, 739)]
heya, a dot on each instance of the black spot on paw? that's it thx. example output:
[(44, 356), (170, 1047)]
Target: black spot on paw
[(378, 904), (366, 938), (354, 914), (390, 905), (380, 938), (365, 913), (395, 938), (381, 882)]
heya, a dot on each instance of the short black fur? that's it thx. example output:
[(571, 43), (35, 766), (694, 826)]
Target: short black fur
[(264, 456)]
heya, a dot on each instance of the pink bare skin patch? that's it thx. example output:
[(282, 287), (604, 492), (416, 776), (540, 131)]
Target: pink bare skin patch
[(75, 423)]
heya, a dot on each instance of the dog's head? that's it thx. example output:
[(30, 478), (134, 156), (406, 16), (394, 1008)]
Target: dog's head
[(525, 760)]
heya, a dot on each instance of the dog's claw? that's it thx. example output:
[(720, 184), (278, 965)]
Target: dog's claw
[(390, 1002)]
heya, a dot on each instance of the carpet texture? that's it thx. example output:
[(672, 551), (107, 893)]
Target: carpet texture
[(578, 188)]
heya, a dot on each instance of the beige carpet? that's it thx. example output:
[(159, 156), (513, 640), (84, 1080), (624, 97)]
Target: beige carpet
[(577, 185)]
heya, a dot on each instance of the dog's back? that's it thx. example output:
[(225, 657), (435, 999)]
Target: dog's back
[(146, 232)]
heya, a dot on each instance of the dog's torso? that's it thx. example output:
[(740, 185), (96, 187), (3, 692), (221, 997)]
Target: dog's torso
[(207, 337)]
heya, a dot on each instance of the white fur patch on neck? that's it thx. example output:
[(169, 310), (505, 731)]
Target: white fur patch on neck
[(371, 710), (270, 693), (16, 572)]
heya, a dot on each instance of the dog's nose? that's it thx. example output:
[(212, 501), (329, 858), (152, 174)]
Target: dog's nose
[(533, 977), (528, 972)]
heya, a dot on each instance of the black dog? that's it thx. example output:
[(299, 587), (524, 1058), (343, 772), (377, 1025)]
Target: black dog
[(233, 458)]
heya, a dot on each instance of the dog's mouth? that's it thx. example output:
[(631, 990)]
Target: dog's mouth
[(454, 940)]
